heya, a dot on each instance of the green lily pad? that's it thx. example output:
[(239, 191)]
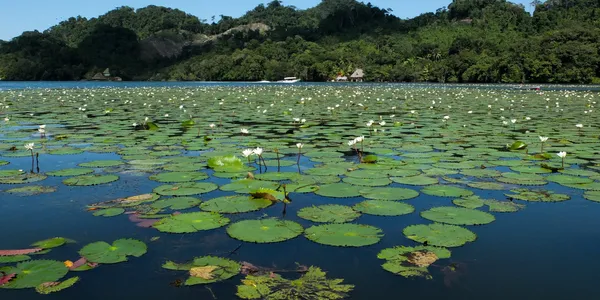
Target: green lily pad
[(416, 180), (88, 180), (176, 203), (457, 216), (537, 195), (191, 222), (31, 190), (173, 177), (104, 253), (331, 213), (404, 261), (338, 190), (367, 181), (440, 235), (14, 259), (45, 289), (389, 193), (264, 231), (71, 172), (186, 189), (109, 212), (503, 206), (469, 202), (51, 243), (224, 269), (446, 191), (592, 196), (344, 235), (235, 204), (311, 285), (101, 163), (384, 208), (32, 273)]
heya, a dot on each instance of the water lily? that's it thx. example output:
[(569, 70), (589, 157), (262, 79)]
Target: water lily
[(29, 146), (244, 131), (258, 151), (134, 124), (562, 155), (513, 121), (446, 117), (543, 139), (303, 120), (6, 119), (382, 123), (299, 145), (247, 152), (579, 125), (42, 126), (212, 125)]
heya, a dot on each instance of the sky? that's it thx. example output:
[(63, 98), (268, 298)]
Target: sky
[(25, 15)]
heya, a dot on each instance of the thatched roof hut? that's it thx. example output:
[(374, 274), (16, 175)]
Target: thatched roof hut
[(358, 75)]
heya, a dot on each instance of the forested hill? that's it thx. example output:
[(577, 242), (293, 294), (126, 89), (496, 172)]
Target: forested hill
[(469, 41)]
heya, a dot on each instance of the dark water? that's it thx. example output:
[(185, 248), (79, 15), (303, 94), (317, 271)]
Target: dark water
[(546, 251)]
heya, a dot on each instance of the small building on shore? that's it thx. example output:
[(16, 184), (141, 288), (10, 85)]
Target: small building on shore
[(105, 76), (341, 79), (357, 76)]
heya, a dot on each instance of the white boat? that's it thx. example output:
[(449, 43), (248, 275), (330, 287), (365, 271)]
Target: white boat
[(264, 81), (289, 80)]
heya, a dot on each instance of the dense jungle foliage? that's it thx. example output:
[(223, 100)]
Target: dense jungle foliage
[(469, 41)]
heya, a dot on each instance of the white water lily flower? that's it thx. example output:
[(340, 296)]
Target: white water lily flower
[(258, 151), (351, 143), (247, 152), (299, 145), (181, 106), (360, 139), (382, 123), (303, 120), (29, 146), (296, 119), (42, 126), (244, 131), (470, 112), (446, 117), (41, 130), (579, 125), (6, 119), (212, 125), (166, 115), (369, 124), (413, 111), (562, 154), (134, 124), (543, 138), (504, 123), (513, 121)]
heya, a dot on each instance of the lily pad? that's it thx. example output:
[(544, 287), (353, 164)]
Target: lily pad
[(265, 230), (440, 235), (32, 273), (384, 208), (416, 180), (412, 261), (109, 212), (51, 243), (119, 251), (469, 202), (388, 193), (172, 177), (537, 195), (53, 287), (223, 269), (338, 190), (344, 235), (176, 203), (71, 172), (101, 163), (88, 180), (331, 213), (31, 190), (457, 216), (235, 204), (446, 191), (186, 189), (191, 222)]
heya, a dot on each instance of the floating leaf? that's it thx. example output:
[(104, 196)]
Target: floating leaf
[(13, 259), (537, 195), (440, 235), (186, 189), (104, 253), (206, 269), (52, 287), (235, 204), (331, 213), (191, 222), (176, 203), (338, 190), (312, 285), (32, 190), (265, 230), (457, 216), (384, 208), (173, 177), (446, 191), (51, 243), (35, 272), (469, 202), (344, 235), (87, 180), (109, 212), (388, 193), (412, 261)]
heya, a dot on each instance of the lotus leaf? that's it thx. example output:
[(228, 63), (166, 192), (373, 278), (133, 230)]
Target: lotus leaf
[(176, 203), (331, 213), (469, 202), (416, 180), (457, 216), (220, 269), (411, 261), (186, 189), (446, 191), (312, 285), (338, 190), (87, 180), (104, 253), (235, 204), (109, 212), (32, 273), (344, 235), (388, 193), (440, 235), (191, 222), (265, 230), (384, 208)]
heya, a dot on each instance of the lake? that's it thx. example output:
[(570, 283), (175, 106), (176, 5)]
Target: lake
[(450, 195)]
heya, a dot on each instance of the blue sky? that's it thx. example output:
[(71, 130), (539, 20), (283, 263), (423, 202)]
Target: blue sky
[(22, 15)]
